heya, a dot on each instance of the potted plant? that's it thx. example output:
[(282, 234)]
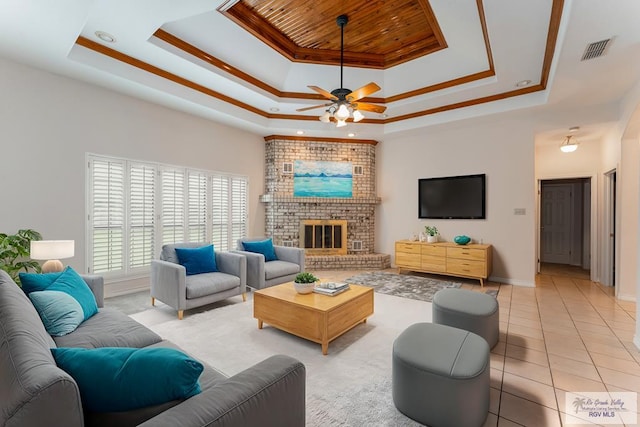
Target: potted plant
[(432, 233), (304, 282), (14, 253)]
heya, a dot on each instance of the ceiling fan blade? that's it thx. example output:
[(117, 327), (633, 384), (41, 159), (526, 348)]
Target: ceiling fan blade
[(362, 92), (324, 93), (364, 106), (315, 106)]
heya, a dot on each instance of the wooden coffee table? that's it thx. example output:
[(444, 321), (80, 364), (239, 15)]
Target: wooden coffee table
[(315, 317)]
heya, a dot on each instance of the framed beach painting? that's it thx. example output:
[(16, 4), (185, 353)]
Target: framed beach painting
[(322, 179)]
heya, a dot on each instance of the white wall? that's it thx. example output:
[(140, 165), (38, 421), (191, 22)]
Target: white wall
[(501, 147), (48, 123), (628, 185)]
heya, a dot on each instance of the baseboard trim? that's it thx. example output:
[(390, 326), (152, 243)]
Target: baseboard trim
[(623, 297), (115, 289), (512, 282)]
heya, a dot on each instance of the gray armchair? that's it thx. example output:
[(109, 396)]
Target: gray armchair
[(171, 285), (261, 274)]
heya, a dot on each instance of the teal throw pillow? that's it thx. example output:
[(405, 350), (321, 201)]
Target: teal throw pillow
[(264, 247), (197, 260), (114, 379), (32, 282), (69, 282), (60, 312)]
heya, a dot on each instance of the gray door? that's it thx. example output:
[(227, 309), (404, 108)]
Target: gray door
[(555, 233)]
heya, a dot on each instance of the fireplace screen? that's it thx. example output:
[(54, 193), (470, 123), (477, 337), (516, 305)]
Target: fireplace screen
[(324, 236)]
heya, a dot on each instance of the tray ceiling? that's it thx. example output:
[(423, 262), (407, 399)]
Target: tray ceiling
[(217, 59)]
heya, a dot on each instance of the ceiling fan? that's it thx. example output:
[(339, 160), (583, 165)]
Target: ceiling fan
[(344, 102)]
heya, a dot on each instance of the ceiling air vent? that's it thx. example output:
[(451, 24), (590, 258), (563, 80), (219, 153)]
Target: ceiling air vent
[(595, 49)]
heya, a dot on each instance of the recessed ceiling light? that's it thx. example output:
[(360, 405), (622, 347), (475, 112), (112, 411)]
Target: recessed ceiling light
[(105, 37), (351, 134), (384, 116), (274, 109), (300, 132), (523, 83), (574, 129)]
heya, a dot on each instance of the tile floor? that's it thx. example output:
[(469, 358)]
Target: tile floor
[(566, 334)]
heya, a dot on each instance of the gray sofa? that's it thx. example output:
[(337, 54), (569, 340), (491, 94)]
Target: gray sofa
[(171, 285), (35, 392), (261, 274)]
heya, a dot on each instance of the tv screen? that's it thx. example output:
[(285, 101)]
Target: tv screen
[(453, 197)]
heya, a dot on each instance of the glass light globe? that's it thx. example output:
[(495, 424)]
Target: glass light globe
[(342, 113), (357, 116)]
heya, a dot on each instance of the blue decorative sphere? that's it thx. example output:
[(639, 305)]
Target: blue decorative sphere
[(462, 240)]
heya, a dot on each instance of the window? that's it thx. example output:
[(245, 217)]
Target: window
[(107, 215), (142, 216), (135, 207), (172, 212)]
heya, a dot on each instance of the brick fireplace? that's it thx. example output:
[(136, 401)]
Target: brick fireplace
[(287, 217)]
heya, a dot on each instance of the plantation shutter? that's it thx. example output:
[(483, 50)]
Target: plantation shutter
[(238, 208), (197, 207), (142, 196), (220, 212), (173, 206), (107, 215)]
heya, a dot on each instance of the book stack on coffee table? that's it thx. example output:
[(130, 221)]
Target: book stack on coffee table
[(331, 288)]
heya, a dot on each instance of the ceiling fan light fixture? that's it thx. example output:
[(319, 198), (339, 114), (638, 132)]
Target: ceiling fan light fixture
[(345, 102)]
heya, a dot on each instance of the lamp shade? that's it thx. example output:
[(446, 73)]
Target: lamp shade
[(52, 249)]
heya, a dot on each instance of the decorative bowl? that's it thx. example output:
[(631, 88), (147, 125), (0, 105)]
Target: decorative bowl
[(462, 240), (304, 288)]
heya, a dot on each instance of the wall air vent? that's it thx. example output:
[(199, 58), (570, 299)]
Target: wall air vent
[(595, 49)]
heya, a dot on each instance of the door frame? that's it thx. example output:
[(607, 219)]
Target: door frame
[(608, 263), (593, 226)]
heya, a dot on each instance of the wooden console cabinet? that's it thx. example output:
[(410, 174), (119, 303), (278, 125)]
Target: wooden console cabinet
[(472, 260)]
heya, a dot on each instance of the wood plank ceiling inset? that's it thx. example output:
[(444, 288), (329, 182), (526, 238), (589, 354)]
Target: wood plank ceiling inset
[(380, 34)]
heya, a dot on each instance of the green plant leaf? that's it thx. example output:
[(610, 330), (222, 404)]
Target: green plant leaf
[(14, 252)]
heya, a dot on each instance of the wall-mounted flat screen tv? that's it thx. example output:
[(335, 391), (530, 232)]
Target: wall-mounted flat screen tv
[(452, 197)]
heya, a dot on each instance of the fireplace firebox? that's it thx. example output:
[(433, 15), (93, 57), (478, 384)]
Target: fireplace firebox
[(324, 237)]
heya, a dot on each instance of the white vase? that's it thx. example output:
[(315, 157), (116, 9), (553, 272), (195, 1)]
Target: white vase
[(432, 239), (304, 288)]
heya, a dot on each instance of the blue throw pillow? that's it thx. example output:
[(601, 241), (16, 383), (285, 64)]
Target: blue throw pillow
[(197, 260), (113, 379), (60, 312), (32, 282), (264, 247), (68, 281)]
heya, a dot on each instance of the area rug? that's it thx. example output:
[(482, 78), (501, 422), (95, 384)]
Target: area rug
[(402, 285), (351, 386)]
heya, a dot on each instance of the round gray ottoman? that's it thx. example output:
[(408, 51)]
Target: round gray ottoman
[(440, 375), (468, 310)]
